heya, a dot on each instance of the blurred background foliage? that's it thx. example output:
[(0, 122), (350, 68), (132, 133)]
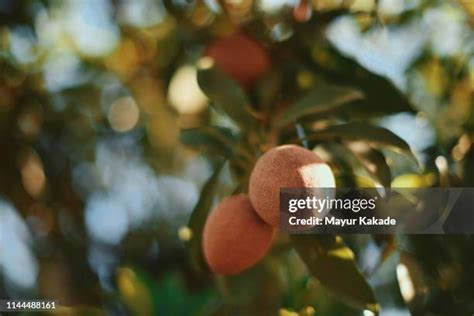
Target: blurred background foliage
[(96, 188)]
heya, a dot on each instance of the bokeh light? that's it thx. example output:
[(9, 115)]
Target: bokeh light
[(123, 114), (17, 261), (184, 93)]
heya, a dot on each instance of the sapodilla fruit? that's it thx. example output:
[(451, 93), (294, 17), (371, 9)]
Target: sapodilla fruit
[(287, 166), (234, 237), (240, 58)]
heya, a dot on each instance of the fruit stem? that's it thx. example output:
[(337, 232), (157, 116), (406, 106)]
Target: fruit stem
[(223, 288)]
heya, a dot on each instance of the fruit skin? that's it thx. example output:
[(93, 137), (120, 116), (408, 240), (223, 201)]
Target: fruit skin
[(234, 237), (240, 58), (287, 166)]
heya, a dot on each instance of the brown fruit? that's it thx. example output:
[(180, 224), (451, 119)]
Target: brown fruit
[(234, 237), (287, 166), (302, 12), (240, 58)]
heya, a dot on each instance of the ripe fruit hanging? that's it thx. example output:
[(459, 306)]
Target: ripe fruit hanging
[(234, 237), (287, 166), (240, 58)]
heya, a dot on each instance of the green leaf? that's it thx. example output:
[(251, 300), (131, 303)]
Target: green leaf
[(373, 135), (373, 161), (268, 88), (381, 95), (198, 218), (216, 139), (332, 263), (170, 291), (135, 289), (413, 180), (321, 99), (225, 94)]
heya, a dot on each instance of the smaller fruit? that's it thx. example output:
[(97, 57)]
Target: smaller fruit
[(234, 237), (302, 12), (240, 58)]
